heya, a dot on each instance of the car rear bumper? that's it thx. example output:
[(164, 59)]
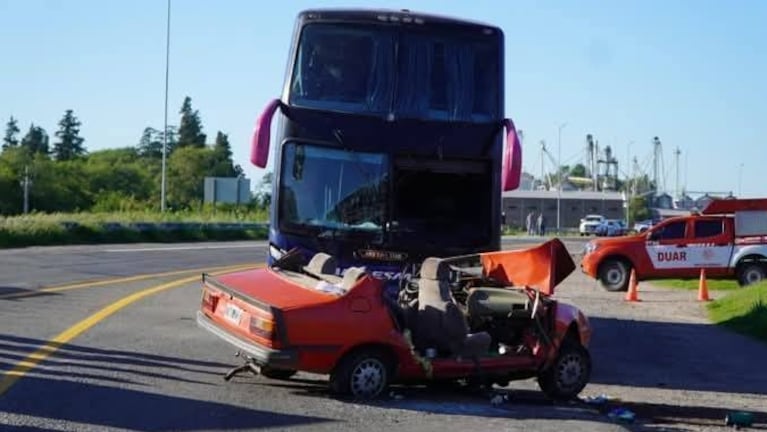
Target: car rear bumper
[(264, 356)]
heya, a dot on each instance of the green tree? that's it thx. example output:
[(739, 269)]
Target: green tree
[(638, 209), (187, 169), (190, 130), (59, 186), (264, 190), (222, 154), (11, 130), (11, 165), (70, 144), (118, 174), (36, 141), (579, 170), (172, 133), (150, 144)]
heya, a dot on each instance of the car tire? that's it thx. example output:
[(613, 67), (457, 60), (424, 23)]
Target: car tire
[(751, 273), (363, 374), (569, 374), (278, 374), (614, 275)]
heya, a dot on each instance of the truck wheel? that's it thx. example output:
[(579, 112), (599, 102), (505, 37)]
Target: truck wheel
[(751, 273), (614, 275), (363, 374), (569, 374), (278, 374)]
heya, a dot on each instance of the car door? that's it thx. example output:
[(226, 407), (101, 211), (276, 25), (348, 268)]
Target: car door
[(711, 245), (667, 249)]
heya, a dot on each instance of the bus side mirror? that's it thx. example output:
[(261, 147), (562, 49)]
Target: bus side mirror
[(512, 158), (259, 144)]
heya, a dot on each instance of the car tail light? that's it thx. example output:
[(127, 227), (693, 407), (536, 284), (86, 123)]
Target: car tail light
[(262, 326), (209, 300)]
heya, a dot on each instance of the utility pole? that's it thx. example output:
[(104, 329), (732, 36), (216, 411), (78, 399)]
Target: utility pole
[(165, 129), (677, 195), (543, 151), (628, 186), (25, 184), (559, 176), (655, 162)]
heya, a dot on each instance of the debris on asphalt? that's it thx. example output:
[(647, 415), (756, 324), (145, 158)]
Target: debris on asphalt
[(600, 400), (739, 419), (622, 415), (396, 396), (596, 400)]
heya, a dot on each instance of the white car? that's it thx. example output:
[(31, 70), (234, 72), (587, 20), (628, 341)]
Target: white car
[(589, 224), (642, 226)]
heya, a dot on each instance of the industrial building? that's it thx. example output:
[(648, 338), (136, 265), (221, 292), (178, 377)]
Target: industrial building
[(573, 206)]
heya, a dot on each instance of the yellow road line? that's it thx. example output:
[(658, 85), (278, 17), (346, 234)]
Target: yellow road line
[(90, 284), (50, 347)]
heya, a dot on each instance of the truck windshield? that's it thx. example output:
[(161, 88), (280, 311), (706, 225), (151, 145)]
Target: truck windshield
[(337, 190), (411, 73)]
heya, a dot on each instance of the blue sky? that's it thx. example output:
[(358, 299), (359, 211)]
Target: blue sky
[(692, 72)]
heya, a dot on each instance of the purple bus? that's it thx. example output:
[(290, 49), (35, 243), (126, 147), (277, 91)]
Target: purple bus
[(389, 139)]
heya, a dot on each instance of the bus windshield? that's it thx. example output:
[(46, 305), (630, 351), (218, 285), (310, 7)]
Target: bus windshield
[(327, 188), (379, 70)]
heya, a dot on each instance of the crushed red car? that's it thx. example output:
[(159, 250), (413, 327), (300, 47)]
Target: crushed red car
[(487, 318)]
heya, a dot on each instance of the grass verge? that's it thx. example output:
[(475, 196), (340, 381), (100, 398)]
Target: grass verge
[(744, 311), (132, 227), (692, 284)]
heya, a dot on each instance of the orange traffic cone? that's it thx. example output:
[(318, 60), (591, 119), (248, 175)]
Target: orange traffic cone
[(633, 294), (703, 287)]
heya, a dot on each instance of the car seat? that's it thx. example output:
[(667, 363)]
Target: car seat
[(440, 323)]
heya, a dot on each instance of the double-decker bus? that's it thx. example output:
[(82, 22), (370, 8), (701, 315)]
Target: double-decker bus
[(389, 142)]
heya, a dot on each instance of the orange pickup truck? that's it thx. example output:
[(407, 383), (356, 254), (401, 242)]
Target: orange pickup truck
[(728, 239)]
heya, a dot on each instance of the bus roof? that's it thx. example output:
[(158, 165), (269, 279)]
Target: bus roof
[(385, 15)]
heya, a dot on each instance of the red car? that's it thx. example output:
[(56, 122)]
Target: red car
[(484, 318)]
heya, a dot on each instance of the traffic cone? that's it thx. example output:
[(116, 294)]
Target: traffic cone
[(633, 293), (703, 287)]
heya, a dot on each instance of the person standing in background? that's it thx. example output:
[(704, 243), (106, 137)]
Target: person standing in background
[(529, 224)]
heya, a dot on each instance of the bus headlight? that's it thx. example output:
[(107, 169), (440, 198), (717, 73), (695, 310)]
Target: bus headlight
[(275, 252)]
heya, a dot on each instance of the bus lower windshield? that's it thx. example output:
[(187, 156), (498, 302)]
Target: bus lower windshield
[(410, 72), (326, 188)]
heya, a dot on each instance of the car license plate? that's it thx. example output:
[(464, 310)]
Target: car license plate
[(233, 313)]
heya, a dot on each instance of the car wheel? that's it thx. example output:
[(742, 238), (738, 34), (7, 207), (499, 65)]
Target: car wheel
[(751, 273), (278, 374), (569, 373), (363, 374), (614, 275)]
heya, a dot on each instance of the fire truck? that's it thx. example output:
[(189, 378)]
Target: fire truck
[(728, 238)]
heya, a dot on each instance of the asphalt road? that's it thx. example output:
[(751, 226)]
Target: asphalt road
[(104, 338)]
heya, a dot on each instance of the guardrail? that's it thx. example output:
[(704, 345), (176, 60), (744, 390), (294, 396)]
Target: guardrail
[(172, 226)]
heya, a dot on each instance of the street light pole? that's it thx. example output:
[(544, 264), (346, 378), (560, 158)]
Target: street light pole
[(26, 189), (559, 176), (165, 128)]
